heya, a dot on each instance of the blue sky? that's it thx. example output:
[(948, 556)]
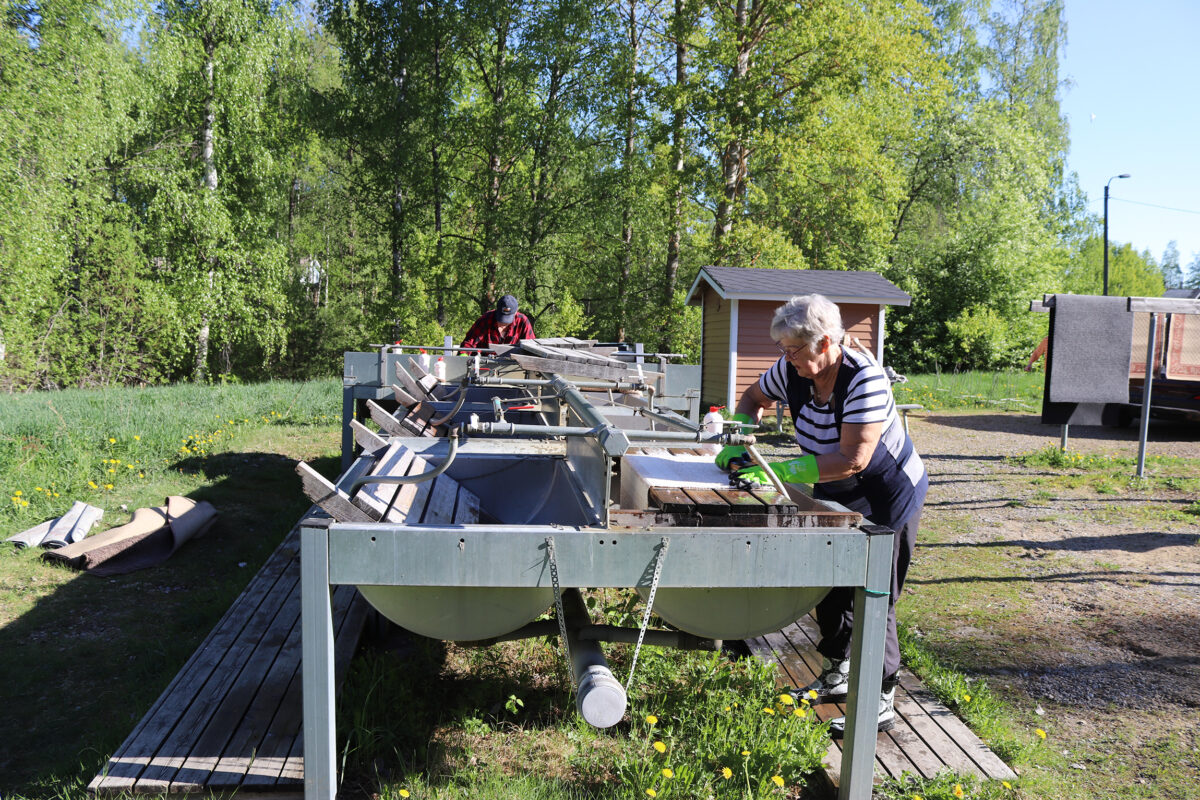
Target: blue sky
[(1133, 104)]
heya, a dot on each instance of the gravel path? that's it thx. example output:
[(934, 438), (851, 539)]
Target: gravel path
[(1112, 616)]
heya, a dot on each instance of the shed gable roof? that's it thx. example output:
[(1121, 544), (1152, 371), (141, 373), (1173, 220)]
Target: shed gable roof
[(754, 283)]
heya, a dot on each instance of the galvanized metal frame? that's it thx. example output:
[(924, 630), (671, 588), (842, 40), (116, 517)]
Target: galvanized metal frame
[(489, 555), (499, 555)]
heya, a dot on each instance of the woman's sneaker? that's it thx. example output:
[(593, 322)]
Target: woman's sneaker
[(887, 715), (832, 684)]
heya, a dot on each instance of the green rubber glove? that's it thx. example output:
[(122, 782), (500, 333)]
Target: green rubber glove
[(795, 470), (733, 451)]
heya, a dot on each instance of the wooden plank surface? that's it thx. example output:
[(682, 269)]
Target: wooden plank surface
[(129, 760), (927, 739), (670, 499), (277, 761), (231, 716), (708, 502), (331, 499)]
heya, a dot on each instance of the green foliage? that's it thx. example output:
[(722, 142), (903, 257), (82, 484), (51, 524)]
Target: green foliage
[(714, 728), (249, 191), (1130, 273)]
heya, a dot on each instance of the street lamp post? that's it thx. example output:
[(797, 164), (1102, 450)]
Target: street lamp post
[(1110, 180)]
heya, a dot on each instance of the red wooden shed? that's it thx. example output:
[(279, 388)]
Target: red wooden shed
[(739, 303)]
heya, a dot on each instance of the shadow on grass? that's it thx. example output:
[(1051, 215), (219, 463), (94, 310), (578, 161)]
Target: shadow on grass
[(86, 662)]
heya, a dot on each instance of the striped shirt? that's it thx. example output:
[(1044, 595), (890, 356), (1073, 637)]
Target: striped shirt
[(868, 399)]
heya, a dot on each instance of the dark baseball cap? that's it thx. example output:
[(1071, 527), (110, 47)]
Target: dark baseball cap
[(506, 309)]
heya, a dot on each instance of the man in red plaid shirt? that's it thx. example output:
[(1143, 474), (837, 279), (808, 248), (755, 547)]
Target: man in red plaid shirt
[(505, 325)]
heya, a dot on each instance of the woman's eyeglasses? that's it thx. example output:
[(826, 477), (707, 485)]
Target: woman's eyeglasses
[(791, 352)]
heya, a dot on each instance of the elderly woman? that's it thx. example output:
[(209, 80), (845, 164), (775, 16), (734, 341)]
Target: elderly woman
[(857, 454)]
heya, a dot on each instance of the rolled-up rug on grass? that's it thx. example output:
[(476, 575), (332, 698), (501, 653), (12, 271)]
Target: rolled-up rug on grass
[(71, 527), (151, 537)]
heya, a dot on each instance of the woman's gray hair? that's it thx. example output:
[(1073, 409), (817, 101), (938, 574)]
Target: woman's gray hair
[(808, 317)]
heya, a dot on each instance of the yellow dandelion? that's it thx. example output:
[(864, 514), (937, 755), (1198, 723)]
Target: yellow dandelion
[(958, 790), (112, 440), (660, 747), (726, 708), (768, 710), (1040, 733), (651, 793), (137, 438), (93, 485), (668, 772), (726, 773), (404, 793), (917, 797), (1006, 784), (141, 474), (745, 752), (801, 713), (17, 493), (786, 700), (812, 694), (966, 698), (108, 486), (112, 471), (777, 780), (37, 489), (651, 719)]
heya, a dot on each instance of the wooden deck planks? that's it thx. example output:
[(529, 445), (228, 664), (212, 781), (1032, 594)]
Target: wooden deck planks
[(231, 717), (230, 720), (134, 755), (928, 737)]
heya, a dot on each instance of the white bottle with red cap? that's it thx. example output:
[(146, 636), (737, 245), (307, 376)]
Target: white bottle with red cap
[(712, 423), (439, 370), (423, 360)]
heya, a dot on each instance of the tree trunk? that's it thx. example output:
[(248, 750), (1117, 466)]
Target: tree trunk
[(200, 368), (397, 243), (678, 122), (398, 210), (492, 230), (734, 157), (436, 157), (627, 168), (293, 205), (541, 186)]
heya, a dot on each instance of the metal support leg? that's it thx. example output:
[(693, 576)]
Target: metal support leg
[(316, 608), (347, 434), (1063, 444), (866, 669), (1144, 423)]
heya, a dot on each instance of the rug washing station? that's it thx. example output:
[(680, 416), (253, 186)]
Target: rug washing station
[(565, 510)]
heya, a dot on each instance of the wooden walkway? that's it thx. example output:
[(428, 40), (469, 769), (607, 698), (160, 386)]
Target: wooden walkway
[(928, 737), (230, 720)]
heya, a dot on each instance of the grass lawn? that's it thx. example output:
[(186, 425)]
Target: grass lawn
[(82, 658)]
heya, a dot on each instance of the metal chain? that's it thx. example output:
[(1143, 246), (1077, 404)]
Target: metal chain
[(558, 606), (659, 558)]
